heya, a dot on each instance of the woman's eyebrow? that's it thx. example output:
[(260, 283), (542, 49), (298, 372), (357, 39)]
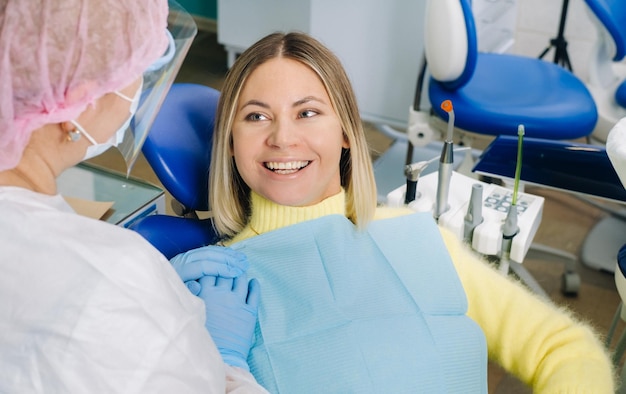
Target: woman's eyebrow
[(254, 102), (308, 99)]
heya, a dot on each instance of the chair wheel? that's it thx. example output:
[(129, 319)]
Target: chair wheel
[(570, 284)]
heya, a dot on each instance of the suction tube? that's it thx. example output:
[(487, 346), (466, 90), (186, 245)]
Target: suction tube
[(510, 227), (412, 172)]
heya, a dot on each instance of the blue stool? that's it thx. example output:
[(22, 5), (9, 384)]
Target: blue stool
[(492, 93)]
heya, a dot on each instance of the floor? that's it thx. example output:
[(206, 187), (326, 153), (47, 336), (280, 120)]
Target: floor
[(565, 224)]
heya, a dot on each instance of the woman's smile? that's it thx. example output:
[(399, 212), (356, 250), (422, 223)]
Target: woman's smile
[(286, 168)]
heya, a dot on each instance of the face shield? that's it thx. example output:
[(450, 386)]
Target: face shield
[(157, 80)]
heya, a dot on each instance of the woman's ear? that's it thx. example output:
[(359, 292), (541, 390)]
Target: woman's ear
[(346, 141)]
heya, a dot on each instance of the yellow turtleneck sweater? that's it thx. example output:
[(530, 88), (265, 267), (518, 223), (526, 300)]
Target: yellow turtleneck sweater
[(543, 346)]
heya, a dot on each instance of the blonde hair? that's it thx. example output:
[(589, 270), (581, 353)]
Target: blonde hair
[(229, 196)]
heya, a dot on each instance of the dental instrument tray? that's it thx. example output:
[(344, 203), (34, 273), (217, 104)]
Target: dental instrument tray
[(486, 237)]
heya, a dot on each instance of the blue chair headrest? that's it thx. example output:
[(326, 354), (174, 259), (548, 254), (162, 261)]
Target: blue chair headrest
[(178, 146)]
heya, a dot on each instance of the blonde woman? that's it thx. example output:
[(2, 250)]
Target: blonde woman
[(358, 298)]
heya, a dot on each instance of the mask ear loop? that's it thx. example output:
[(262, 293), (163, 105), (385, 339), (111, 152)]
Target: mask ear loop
[(85, 133), (123, 96)]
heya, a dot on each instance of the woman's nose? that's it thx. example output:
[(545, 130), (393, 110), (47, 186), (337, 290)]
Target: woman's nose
[(283, 134)]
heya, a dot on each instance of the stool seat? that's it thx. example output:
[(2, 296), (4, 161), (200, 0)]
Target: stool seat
[(508, 90)]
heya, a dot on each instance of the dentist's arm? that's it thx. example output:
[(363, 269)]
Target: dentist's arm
[(217, 276), (231, 316)]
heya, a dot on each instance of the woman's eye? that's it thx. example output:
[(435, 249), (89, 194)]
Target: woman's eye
[(255, 117), (308, 113)]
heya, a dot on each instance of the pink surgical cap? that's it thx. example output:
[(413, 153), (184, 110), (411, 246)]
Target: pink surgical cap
[(58, 56)]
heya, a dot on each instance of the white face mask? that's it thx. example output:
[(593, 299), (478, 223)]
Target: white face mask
[(96, 148)]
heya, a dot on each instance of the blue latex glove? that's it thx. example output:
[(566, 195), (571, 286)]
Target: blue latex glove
[(231, 315), (208, 260)]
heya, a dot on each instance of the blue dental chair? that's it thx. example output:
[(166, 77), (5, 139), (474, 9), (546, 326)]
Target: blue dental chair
[(493, 93), (178, 148)]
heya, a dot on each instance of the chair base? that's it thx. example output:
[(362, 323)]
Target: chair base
[(570, 279)]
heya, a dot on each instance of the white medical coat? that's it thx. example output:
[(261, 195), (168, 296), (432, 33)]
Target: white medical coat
[(86, 306)]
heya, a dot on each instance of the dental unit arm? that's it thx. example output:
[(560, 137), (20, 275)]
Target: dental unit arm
[(492, 219)]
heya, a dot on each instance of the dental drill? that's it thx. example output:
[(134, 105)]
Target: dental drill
[(510, 227), (445, 164), (412, 173)]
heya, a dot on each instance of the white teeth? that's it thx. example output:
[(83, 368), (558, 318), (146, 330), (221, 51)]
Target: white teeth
[(291, 165)]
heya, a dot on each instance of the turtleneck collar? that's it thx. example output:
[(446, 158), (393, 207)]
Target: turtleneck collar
[(267, 215)]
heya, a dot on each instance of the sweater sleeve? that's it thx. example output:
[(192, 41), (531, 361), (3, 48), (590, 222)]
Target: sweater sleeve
[(544, 346)]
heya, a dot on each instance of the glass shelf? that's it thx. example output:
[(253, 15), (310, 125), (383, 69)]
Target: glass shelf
[(132, 198)]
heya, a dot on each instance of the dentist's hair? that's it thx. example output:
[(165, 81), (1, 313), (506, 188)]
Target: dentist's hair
[(229, 196)]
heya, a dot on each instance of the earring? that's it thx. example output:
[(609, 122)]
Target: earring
[(73, 135)]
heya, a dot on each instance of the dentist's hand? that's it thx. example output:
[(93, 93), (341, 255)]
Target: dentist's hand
[(231, 315), (209, 260)]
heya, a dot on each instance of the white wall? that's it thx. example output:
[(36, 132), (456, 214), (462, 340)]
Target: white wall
[(538, 23)]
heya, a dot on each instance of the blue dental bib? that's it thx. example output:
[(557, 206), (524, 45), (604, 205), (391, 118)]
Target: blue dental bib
[(349, 311)]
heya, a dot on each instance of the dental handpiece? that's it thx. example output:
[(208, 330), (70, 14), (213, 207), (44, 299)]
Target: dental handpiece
[(474, 215), (509, 227), (445, 164), (412, 173)]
